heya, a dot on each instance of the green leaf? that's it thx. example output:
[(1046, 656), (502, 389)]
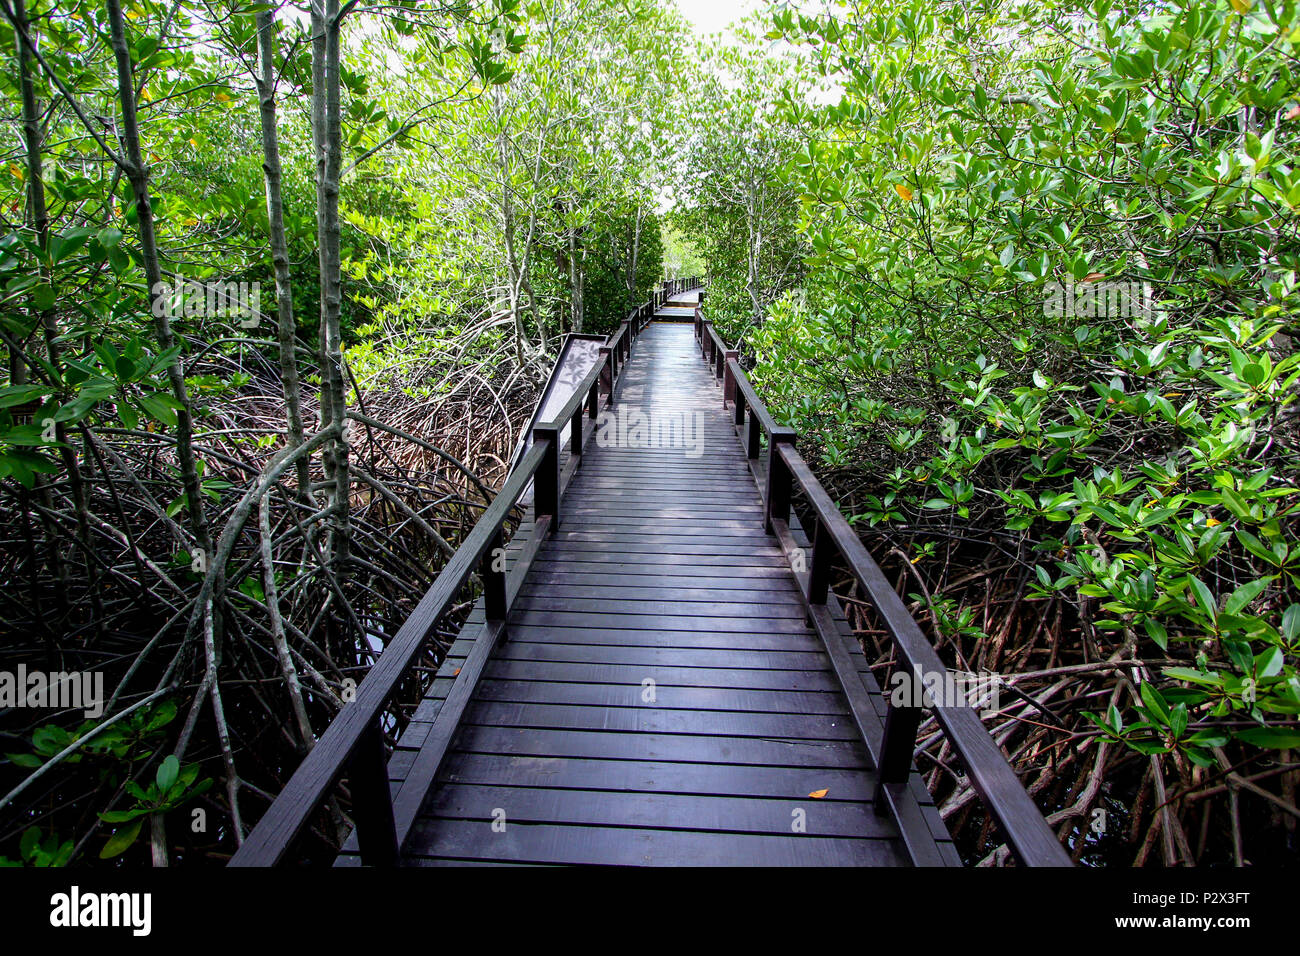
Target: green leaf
[(1291, 622), (29, 841), (12, 395), (123, 816), (1204, 597), (160, 407), (1272, 738), (43, 297), (1154, 702), (1237, 602), (1157, 632), (121, 840), (167, 773)]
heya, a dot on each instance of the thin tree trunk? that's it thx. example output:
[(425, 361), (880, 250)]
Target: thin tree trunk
[(158, 839), (48, 320), (287, 326), (327, 121), (272, 594), (636, 252), (575, 283), (138, 175), (514, 273)]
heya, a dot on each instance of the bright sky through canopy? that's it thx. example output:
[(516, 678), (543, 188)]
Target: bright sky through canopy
[(714, 16)]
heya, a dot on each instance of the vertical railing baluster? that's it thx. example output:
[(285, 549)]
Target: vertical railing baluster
[(728, 379), (546, 483), (493, 572), (372, 800), (777, 497), (575, 434), (819, 567), (901, 725)]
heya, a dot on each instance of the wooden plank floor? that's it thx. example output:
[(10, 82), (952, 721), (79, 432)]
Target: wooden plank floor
[(659, 697), (680, 307)]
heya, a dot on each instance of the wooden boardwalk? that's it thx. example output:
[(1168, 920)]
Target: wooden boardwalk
[(658, 696), (657, 673)]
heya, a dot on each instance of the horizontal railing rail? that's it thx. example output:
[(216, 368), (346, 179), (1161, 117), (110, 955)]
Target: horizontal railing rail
[(353, 744), (1028, 835), (354, 740)]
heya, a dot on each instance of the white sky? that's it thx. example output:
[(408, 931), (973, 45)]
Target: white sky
[(714, 16)]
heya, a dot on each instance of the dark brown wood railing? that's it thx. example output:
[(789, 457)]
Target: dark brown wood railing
[(1027, 833), (353, 744)]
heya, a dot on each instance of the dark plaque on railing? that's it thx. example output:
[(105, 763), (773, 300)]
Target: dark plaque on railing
[(578, 356)]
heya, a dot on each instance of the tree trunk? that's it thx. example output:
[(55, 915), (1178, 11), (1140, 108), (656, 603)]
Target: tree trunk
[(631, 271), (287, 326), (514, 271), (327, 135), (45, 318), (575, 282), (138, 175)]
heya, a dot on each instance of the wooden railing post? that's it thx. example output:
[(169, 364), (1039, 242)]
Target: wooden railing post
[(607, 373), (593, 398), (493, 572), (372, 801), (754, 439), (575, 434), (901, 725), (626, 341), (819, 567), (777, 497), (728, 380), (546, 484)]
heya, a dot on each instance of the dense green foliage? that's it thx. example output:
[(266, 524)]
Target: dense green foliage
[(946, 191)]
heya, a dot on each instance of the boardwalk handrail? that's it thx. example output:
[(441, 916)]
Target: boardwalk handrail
[(1028, 835), (354, 742)]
